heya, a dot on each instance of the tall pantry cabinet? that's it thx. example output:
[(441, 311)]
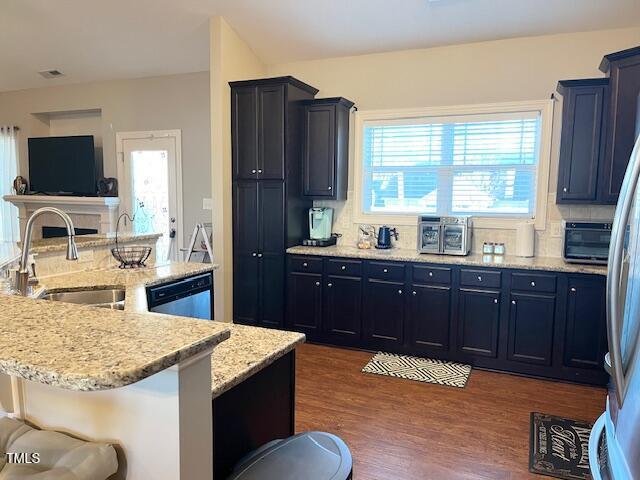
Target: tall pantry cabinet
[(269, 209)]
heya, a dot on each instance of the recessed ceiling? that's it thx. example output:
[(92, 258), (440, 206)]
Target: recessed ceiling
[(93, 40)]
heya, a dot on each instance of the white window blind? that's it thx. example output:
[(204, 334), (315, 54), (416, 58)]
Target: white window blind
[(483, 165)]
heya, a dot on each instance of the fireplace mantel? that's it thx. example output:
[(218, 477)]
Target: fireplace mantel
[(104, 209)]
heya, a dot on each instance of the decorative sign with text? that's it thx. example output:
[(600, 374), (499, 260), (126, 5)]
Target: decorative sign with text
[(559, 447)]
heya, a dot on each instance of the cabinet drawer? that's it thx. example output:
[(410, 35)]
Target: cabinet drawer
[(386, 271), (337, 266), (427, 274), (533, 282), (305, 264), (480, 278)]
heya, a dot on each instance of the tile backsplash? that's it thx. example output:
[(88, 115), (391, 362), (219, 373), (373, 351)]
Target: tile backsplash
[(548, 241)]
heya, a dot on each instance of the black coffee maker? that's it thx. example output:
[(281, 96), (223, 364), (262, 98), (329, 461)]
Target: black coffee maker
[(384, 237)]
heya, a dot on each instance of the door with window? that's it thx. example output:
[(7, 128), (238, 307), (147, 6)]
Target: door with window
[(150, 187)]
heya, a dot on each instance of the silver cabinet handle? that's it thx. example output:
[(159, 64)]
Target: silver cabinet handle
[(329, 188), (564, 189), (533, 284), (259, 170), (329, 285), (385, 270), (513, 302), (317, 284), (399, 292), (479, 278), (254, 254), (414, 293), (343, 267), (259, 255), (573, 289), (431, 274), (253, 171), (495, 300), (305, 265)]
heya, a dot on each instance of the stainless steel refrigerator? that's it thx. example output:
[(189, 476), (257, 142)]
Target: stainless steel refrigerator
[(614, 446)]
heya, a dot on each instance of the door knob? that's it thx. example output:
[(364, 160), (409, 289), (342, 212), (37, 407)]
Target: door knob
[(573, 289), (564, 189), (513, 302), (329, 188), (343, 267), (533, 284), (259, 170), (259, 255), (253, 171), (329, 285), (479, 278), (414, 293), (495, 300), (254, 254), (317, 284), (399, 292), (431, 274), (305, 265), (385, 270)]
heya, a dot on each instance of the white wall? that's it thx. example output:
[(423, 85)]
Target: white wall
[(231, 59), (499, 71), (154, 103)]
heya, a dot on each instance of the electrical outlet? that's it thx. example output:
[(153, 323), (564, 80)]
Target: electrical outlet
[(556, 229), (207, 204)]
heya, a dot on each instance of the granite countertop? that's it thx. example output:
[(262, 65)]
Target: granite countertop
[(59, 244), (248, 349), (87, 348), (478, 260)]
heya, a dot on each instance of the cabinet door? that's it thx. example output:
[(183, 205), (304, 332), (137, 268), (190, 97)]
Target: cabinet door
[(245, 217), (621, 125), (531, 321), (271, 220), (319, 151), (428, 318), (271, 132), (384, 314), (580, 144), (272, 290), (244, 132), (342, 308), (245, 289), (479, 317), (585, 336), (304, 312)]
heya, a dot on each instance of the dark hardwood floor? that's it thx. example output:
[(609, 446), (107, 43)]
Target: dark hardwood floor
[(404, 430)]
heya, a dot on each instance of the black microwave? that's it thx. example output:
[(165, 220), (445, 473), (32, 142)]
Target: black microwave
[(586, 242)]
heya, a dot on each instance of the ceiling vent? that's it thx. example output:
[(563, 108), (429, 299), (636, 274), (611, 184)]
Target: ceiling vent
[(51, 73)]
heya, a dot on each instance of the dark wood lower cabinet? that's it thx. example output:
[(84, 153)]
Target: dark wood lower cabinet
[(546, 324), (383, 320), (272, 286), (429, 318), (257, 411), (585, 337), (245, 289), (305, 303), (531, 322), (478, 321), (342, 309)]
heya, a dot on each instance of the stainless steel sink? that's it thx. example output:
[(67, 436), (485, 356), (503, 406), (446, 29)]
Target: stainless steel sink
[(106, 298)]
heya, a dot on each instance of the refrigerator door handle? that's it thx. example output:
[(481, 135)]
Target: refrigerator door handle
[(616, 251)]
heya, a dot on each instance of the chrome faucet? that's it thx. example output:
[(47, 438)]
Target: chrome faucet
[(22, 275)]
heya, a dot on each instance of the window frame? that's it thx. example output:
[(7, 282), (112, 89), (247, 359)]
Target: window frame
[(543, 107)]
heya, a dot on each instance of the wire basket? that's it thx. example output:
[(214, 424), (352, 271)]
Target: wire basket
[(133, 256)]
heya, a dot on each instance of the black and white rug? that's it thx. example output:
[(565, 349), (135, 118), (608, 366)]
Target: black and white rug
[(559, 447), (419, 369)]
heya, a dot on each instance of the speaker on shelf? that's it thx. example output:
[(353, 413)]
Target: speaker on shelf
[(108, 187)]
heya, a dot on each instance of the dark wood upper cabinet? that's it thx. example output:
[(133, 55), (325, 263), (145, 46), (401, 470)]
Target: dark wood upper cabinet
[(271, 135), (325, 164), (623, 69), (581, 143), (244, 125), (599, 124)]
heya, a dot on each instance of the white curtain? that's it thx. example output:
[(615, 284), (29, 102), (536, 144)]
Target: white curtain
[(8, 170)]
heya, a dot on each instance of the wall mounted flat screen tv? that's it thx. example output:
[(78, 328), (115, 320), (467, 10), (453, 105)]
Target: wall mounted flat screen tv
[(63, 165)]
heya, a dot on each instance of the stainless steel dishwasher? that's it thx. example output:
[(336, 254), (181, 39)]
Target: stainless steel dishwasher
[(188, 297)]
